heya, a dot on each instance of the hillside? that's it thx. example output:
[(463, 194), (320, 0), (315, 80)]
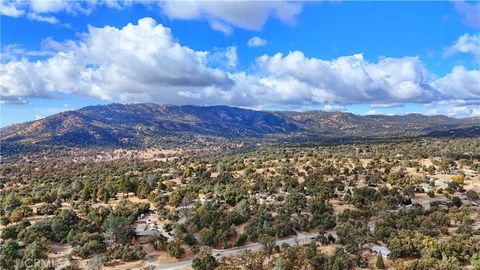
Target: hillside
[(137, 125), (351, 125)]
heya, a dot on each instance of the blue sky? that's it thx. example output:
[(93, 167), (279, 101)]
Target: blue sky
[(363, 57)]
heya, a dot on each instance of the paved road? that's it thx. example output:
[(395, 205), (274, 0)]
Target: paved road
[(302, 238)]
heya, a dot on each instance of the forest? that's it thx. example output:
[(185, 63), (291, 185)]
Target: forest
[(409, 204)]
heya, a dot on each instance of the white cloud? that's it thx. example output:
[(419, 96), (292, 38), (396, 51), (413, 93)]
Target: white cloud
[(143, 62), (373, 112), (223, 58), (333, 107), (256, 42), (49, 6), (41, 18), (10, 9), (231, 55), (346, 80), (222, 27), (135, 63), (466, 44), (221, 15), (16, 52), (456, 111), (43, 10), (250, 15), (386, 105), (460, 84)]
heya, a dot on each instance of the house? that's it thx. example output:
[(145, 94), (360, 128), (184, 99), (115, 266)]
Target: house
[(204, 200), (469, 172), (380, 249), (452, 170), (424, 187), (145, 228)]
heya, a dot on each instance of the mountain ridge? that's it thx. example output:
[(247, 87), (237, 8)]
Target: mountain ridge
[(142, 124)]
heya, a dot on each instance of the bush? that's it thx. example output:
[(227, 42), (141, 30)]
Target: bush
[(189, 239), (47, 209), (175, 250), (86, 245), (126, 253), (456, 201), (207, 236), (204, 260)]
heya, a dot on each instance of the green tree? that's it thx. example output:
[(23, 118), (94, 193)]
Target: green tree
[(117, 229), (159, 241), (87, 192), (379, 263), (175, 250), (106, 196), (353, 235), (204, 260), (207, 236), (36, 250), (449, 263), (62, 223), (456, 201), (10, 251), (280, 263), (475, 261), (187, 172), (126, 185), (268, 243), (295, 202), (339, 260), (11, 203)]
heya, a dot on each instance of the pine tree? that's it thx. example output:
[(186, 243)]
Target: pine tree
[(87, 194), (106, 196), (380, 264)]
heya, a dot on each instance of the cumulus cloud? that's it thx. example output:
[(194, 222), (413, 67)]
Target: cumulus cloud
[(466, 44), (226, 58), (296, 80), (256, 42), (36, 9), (346, 80), (144, 62), (222, 15), (460, 84), (10, 9), (135, 63), (17, 52)]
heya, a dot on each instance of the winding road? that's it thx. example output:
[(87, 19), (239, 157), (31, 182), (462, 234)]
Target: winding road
[(302, 238)]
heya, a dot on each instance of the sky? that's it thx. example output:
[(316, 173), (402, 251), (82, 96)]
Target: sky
[(375, 57)]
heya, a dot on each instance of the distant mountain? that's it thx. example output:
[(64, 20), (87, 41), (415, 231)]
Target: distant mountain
[(351, 125), (138, 125)]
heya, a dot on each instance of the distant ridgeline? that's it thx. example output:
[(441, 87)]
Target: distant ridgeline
[(142, 125)]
